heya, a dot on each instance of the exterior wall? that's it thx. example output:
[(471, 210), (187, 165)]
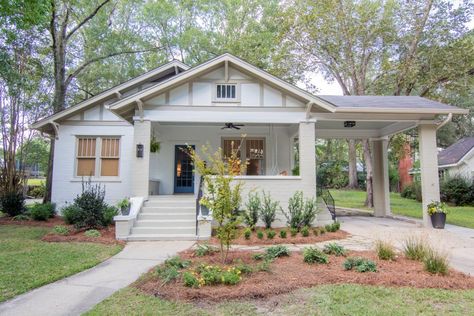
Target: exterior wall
[(464, 169), (66, 186), (162, 163)]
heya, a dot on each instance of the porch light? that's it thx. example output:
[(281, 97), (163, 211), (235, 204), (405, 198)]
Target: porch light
[(349, 124), (139, 150)]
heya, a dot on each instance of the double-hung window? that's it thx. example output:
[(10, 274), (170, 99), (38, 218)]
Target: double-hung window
[(97, 156)]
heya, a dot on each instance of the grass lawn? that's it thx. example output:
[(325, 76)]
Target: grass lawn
[(36, 181), (322, 300), (459, 215), (26, 262)]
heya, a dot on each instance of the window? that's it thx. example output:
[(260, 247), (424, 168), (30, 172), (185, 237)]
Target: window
[(252, 150), (98, 156), (226, 92)]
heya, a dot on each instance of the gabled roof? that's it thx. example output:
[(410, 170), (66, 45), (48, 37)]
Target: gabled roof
[(387, 104), (204, 67), (455, 153), (150, 76)]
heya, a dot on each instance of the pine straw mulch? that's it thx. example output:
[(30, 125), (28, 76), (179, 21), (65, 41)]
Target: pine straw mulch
[(290, 273), (57, 220), (298, 239), (107, 236)]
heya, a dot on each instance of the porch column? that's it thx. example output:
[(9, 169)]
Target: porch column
[(381, 183), (307, 141), (141, 165), (429, 168)]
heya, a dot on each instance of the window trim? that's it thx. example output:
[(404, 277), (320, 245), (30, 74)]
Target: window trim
[(98, 158), (215, 99)]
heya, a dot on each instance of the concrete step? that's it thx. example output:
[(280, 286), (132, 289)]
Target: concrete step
[(144, 237), (167, 216), (164, 230), (168, 209), (170, 204), (165, 223), (164, 198)]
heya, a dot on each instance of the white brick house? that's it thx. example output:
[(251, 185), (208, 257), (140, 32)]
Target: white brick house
[(107, 137)]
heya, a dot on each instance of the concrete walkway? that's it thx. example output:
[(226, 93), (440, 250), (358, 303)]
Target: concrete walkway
[(456, 241), (80, 292)]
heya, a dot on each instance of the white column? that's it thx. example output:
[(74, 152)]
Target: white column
[(307, 142), (141, 165), (429, 168), (381, 183)]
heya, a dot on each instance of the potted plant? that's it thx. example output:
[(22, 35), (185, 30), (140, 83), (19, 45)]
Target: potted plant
[(437, 211), (154, 145), (124, 206)]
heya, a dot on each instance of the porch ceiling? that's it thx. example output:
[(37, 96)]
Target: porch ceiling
[(362, 129)]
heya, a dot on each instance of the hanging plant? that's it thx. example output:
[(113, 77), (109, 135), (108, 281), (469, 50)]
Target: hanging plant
[(154, 145)]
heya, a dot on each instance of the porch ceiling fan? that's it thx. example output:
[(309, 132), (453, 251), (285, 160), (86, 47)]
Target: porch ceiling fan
[(231, 125)]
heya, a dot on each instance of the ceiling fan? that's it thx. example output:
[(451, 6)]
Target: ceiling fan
[(232, 125)]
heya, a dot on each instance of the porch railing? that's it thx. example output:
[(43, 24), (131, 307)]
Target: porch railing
[(328, 200)]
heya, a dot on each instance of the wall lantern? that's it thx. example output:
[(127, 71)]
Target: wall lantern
[(349, 124), (140, 150)]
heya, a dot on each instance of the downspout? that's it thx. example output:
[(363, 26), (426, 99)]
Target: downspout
[(445, 121)]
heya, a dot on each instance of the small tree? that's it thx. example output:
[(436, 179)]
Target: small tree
[(301, 212), (221, 197), (253, 207), (268, 212)]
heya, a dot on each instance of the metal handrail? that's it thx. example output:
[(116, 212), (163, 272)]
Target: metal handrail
[(198, 200), (328, 200)]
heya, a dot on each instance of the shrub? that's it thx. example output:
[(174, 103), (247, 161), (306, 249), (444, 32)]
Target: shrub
[(316, 232), (109, 213), (247, 233), (37, 191), (283, 233), (300, 213), (41, 212), (190, 280), (293, 232), (271, 234), (415, 248), (211, 274), (334, 249), (457, 190), (258, 256), (253, 207), (305, 231), (412, 191), (92, 233), (314, 255), (277, 251), (385, 250), (260, 234), (334, 227), (92, 206), (12, 203), (71, 214), (360, 264), (167, 273), (322, 230), (21, 217), (244, 268), (204, 250), (436, 263), (268, 211), (264, 265), (61, 230), (177, 262), (231, 276)]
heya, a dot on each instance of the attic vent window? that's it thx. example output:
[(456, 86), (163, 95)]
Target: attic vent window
[(226, 92)]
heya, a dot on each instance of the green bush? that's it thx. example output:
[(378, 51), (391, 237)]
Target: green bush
[(314, 255), (71, 213), (412, 191), (92, 233), (293, 232), (277, 251), (211, 274), (305, 231), (300, 213), (260, 234), (190, 280), (457, 190), (258, 256), (415, 248), (37, 191), (231, 276), (360, 264), (283, 233), (334, 227), (385, 250), (270, 234), (21, 217), (12, 203), (61, 230), (204, 250), (253, 208), (334, 249), (108, 215), (436, 263), (167, 273), (268, 211), (41, 212), (247, 233), (177, 262)]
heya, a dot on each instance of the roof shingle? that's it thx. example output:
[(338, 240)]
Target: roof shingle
[(454, 153)]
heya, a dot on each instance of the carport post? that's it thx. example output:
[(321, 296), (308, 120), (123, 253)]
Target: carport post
[(429, 168), (380, 177)]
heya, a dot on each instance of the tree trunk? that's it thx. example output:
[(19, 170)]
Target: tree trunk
[(369, 201), (49, 175), (353, 181)]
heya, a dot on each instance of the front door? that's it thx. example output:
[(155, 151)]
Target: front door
[(183, 170)]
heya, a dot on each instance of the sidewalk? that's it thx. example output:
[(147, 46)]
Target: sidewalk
[(80, 292)]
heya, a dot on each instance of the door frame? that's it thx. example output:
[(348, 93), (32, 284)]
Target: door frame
[(175, 154)]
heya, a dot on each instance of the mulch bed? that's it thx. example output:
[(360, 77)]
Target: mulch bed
[(290, 273), (57, 220), (298, 239), (107, 237)]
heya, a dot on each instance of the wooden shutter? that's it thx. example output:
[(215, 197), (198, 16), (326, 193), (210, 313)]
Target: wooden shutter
[(86, 148), (110, 154)]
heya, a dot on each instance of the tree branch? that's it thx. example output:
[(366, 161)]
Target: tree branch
[(90, 16), (444, 79)]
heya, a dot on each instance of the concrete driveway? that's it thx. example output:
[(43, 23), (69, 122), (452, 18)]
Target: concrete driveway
[(80, 292), (457, 242)]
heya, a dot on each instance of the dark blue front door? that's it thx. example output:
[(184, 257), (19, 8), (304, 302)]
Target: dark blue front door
[(183, 170)]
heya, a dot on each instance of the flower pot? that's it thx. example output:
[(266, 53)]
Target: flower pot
[(438, 220), (125, 210)]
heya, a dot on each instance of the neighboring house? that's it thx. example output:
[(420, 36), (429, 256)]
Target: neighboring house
[(458, 159), (108, 138)]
